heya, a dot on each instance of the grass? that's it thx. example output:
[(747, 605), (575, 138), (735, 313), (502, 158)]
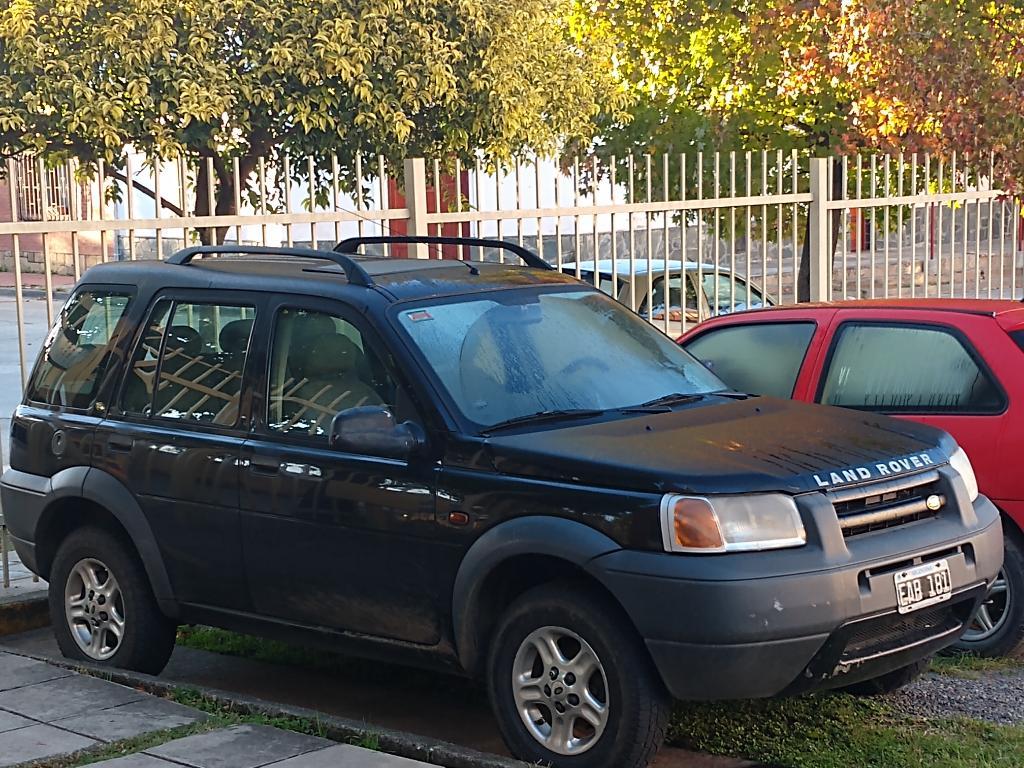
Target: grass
[(972, 667), (839, 731)]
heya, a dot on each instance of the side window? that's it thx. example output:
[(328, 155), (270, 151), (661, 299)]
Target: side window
[(908, 370), (188, 364), (320, 365), (722, 301), (76, 351), (756, 300), (762, 359), (675, 297)]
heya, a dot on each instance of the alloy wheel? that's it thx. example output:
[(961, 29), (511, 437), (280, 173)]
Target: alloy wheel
[(992, 613), (94, 608), (560, 690)]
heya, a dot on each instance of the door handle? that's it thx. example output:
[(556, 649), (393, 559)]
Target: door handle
[(264, 466), (120, 444)]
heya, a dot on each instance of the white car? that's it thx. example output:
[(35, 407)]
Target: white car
[(708, 293)]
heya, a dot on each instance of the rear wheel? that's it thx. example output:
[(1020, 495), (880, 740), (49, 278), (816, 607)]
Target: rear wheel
[(102, 607), (571, 683), (997, 629)]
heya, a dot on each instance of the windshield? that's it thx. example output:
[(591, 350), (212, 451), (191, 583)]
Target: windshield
[(503, 356)]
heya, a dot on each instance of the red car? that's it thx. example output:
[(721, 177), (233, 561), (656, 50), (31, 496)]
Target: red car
[(953, 363)]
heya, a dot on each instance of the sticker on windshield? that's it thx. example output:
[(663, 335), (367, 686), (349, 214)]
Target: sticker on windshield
[(419, 316)]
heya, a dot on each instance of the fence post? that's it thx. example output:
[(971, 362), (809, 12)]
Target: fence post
[(818, 226), (416, 200)]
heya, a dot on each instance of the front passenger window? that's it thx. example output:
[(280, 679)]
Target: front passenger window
[(320, 365)]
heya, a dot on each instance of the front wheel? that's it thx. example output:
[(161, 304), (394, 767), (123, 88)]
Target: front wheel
[(571, 683), (997, 629), (102, 607)]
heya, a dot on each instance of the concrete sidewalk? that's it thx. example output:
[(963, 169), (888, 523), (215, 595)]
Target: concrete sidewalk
[(50, 714)]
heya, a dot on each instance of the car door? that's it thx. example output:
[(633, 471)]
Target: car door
[(175, 433), (917, 368), (760, 358), (335, 539)]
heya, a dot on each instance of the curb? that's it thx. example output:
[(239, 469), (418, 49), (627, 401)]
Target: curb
[(21, 615), (394, 742)]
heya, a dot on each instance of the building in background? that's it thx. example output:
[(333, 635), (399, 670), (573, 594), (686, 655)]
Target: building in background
[(36, 193)]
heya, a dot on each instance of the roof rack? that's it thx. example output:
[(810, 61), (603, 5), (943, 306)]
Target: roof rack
[(353, 269), (531, 259)]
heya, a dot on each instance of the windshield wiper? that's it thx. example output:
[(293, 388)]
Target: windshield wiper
[(675, 398), (542, 416)]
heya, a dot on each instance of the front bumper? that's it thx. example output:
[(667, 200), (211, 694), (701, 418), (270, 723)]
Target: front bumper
[(761, 624)]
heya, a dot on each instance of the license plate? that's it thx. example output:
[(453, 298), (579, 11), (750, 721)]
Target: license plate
[(923, 585)]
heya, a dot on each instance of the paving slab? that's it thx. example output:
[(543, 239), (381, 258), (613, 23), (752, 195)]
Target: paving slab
[(18, 671), (241, 746), (39, 742), (130, 720), (348, 756), (10, 721), (140, 760), (66, 697)]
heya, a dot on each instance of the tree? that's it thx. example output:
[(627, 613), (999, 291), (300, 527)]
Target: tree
[(236, 80), (823, 76)]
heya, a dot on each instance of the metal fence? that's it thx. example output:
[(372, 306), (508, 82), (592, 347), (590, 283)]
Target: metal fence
[(871, 226)]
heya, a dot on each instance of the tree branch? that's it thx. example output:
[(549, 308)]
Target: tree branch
[(164, 202)]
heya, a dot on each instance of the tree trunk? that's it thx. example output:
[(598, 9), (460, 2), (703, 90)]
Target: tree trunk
[(225, 196), (803, 283)]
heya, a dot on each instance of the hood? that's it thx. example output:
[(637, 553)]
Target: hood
[(725, 446)]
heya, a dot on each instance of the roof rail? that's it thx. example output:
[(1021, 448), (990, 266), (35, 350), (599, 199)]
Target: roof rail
[(531, 259), (353, 269)]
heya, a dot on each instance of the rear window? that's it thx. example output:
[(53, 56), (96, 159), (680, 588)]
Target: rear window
[(761, 359), (1018, 336), (77, 350)]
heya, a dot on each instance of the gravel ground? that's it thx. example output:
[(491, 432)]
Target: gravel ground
[(996, 696)]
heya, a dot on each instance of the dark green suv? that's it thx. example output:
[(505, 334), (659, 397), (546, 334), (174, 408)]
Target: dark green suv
[(479, 467)]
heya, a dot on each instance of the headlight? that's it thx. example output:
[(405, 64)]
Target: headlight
[(730, 523), (959, 462)]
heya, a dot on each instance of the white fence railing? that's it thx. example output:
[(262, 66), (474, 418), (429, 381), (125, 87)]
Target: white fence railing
[(868, 226)]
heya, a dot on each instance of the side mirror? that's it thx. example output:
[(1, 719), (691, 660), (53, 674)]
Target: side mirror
[(371, 430)]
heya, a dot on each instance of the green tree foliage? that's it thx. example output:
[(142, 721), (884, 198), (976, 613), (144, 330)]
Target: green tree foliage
[(242, 79), (820, 76)]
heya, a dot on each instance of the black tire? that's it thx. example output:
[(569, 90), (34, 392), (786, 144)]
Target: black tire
[(147, 636), (889, 682), (1007, 639), (638, 704)]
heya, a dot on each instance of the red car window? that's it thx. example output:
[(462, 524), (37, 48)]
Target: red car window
[(907, 369), (760, 358)]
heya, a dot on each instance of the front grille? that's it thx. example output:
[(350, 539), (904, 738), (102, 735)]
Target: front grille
[(879, 637), (887, 504)]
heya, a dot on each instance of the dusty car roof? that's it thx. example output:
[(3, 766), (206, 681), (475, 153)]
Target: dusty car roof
[(394, 278), (641, 265)]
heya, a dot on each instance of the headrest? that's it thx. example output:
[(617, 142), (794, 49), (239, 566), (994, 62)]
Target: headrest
[(234, 337), (184, 339), (307, 326), (327, 357)]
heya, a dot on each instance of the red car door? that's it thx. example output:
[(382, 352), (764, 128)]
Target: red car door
[(926, 366)]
